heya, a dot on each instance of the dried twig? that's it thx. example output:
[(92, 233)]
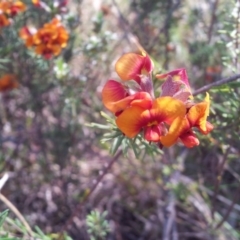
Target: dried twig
[(131, 38), (225, 217), (218, 180), (169, 225), (17, 213), (213, 19), (169, 222), (218, 83), (187, 181), (81, 204)]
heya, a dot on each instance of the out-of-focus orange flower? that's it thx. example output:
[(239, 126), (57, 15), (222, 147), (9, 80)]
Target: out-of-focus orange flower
[(26, 34), (48, 41), (213, 72), (8, 82), (36, 3), (9, 9), (12, 8), (4, 21), (4, 5), (15, 8)]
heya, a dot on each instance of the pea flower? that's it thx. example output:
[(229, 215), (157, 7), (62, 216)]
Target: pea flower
[(151, 121), (8, 10), (177, 86), (47, 41), (163, 120), (15, 7), (118, 96)]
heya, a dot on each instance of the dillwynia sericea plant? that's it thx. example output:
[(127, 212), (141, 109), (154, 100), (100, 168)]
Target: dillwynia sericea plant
[(165, 119)]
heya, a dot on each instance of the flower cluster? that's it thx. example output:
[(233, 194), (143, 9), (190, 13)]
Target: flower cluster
[(8, 82), (163, 120), (9, 9), (47, 41)]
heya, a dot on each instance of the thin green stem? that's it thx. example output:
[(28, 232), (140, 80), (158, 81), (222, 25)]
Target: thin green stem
[(78, 208), (218, 83)]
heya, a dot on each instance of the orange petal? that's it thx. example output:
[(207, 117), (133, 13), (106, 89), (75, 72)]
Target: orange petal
[(112, 92), (178, 126), (129, 66), (131, 120), (142, 99), (198, 114), (166, 109)]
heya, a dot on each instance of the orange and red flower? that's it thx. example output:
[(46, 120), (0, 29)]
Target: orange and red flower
[(48, 41), (8, 82), (12, 8), (196, 117), (8, 10), (135, 118), (163, 120)]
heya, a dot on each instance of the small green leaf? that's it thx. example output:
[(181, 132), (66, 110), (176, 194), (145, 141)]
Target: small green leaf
[(3, 216), (116, 143)]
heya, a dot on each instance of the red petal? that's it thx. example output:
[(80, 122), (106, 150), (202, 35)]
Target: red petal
[(189, 139), (153, 133), (112, 92)]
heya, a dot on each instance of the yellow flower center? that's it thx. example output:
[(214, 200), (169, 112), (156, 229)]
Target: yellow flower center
[(176, 78), (152, 123)]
